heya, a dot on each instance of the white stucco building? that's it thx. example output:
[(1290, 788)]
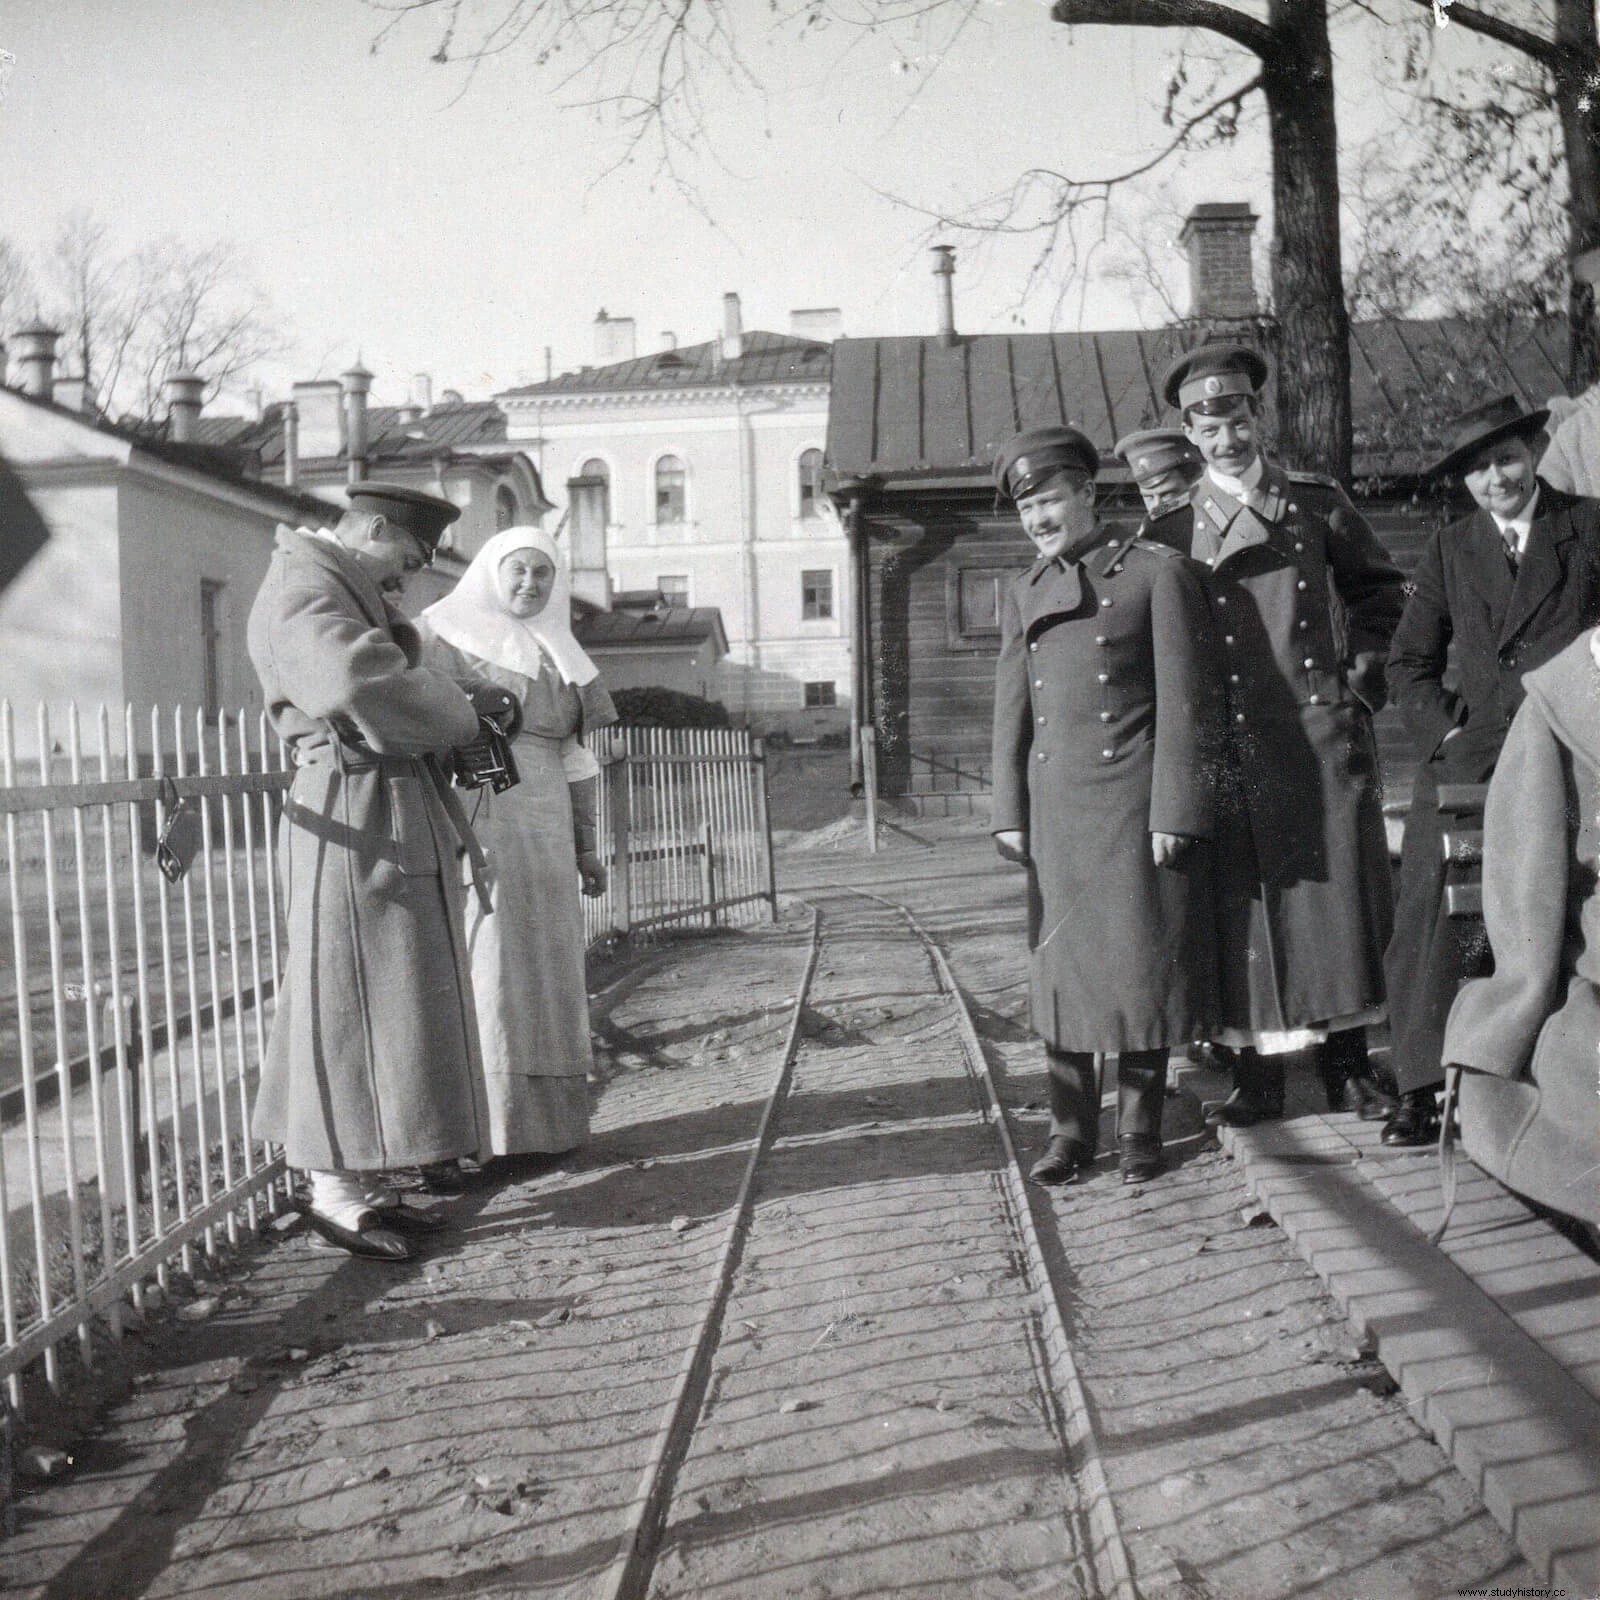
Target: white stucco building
[(696, 472)]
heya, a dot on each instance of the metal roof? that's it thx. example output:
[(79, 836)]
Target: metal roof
[(675, 625), (764, 358), (912, 407), (470, 427)]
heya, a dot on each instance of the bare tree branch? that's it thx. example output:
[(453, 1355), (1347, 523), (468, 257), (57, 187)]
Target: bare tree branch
[(1238, 26), (1530, 44)]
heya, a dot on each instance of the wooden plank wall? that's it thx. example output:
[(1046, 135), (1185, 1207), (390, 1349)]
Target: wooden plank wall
[(933, 697)]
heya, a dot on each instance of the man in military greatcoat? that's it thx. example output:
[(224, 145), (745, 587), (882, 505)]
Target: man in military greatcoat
[(369, 1066), (1105, 718), (1164, 466), (1498, 592), (1304, 600)]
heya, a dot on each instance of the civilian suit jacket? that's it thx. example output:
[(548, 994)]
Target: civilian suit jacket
[(1463, 595)]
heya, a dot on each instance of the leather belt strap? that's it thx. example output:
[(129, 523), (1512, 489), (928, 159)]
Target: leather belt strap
[(476, 860)]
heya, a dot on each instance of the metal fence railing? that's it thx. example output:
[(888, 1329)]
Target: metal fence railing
[(684, 820), (134, 1011)]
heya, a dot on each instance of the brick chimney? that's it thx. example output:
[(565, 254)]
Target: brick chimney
[(944, 269), (732, 328), (615, 339), (1222, 284), (34, 350), (357, 384), (186, 393)]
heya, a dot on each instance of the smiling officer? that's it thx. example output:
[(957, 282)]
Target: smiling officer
[(1105, 719), (1304, 599)]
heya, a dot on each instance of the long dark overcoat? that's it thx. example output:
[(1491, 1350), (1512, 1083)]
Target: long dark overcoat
[(1105, 719), (1466, 609), (370, 1061), (1527, 1032), (1304, 600)]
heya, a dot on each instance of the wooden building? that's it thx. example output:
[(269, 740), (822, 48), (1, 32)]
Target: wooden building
[(914, 426)]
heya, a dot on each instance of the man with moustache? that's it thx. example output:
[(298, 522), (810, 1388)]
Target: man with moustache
[(1499, 592), (1105, 719), (1304, 600)]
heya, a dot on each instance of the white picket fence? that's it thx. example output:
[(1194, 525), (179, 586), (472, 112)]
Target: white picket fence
[(135, 1012)]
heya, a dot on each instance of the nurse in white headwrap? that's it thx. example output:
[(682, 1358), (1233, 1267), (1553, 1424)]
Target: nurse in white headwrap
[(509, 621)]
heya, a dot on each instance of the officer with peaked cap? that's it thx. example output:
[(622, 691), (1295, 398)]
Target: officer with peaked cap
[(370, 1063), (1164, 466), (1494, 595), (1105, 719), (1304, 599)]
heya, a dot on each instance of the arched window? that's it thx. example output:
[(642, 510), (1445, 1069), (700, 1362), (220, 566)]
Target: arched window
[(505, 509), (670, 478), (810, 483)]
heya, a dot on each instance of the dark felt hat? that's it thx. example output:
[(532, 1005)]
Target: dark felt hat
[(424, 516), (1034, 457), (1502, 418), (1214, 372), (1154, 451)]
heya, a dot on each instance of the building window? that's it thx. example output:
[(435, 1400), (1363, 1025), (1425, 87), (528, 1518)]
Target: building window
[(978, 600), (810, 483), (213, 618), (673, 587), (821, 694), (505, 509), (669, 489), (816, 596)]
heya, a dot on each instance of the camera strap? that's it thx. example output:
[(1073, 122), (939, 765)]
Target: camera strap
[(476, 860)]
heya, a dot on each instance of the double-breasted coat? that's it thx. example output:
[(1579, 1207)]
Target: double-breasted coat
[(370, 1062), (1526, 1032), (1303, 599), (1105, 717), (1466, 609)]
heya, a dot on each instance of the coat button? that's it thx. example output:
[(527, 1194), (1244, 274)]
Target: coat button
[(1316, 700), (1041, 722), (1222, 599), (1103, 677), (1304, 625), (1100, 638), (1227, 638), (1107, 753), (1106, 601), (1301, 584), (1238, 716), (1038, 683), (1298, 545), (1233, 677), (1308, 663), (1105, 716), (1035, 646), (1044, 755), (1293, 507)]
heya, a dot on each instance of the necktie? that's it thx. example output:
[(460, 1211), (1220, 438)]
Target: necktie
[(1511, 552)]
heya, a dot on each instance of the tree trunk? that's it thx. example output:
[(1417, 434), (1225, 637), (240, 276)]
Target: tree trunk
[(1578, 106), (1313, 342)]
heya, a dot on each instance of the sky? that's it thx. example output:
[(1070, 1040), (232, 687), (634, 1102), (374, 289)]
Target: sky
[(432, 218)]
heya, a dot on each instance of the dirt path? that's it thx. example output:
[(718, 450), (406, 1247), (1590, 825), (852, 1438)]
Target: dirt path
[(476, 1424)]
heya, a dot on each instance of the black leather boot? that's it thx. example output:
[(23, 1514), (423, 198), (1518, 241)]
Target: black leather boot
[(1257, 1093), (1141, 1089), (1348, 1077), (1415, 1123)]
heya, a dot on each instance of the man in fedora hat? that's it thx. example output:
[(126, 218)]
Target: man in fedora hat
[(1304, 599), (1498, 592), (1105, 724), (1164, 466), (369, 1066)]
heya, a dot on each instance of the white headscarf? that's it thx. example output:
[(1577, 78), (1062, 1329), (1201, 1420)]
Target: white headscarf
[(474, 618)]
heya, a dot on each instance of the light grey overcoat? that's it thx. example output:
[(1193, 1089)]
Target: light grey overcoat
[(370, 1063)]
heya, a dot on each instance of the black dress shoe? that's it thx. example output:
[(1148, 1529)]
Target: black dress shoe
[(442, 1178), (1366, 1097), (1062, 1162), (401, 1218), (1244, 1108), (1415, 1124), (1139, 1156), (370, 1237)]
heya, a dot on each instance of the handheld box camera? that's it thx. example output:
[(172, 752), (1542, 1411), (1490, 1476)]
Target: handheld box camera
[(487, 762)]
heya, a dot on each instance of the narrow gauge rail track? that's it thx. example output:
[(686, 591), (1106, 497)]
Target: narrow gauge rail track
[(1089, 1550)]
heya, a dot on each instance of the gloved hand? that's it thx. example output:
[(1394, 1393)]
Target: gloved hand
[(500, 706)]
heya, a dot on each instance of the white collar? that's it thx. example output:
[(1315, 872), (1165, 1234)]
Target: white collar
[(1514, 530), (1240, 488)]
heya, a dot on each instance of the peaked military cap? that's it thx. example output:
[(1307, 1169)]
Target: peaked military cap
[(1501, 418), (1155, 451), (1033, 457), (423, 516), (1213, 372)]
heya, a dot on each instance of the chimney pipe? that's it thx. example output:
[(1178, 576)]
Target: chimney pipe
[(732, 328), (422, 392), (357, 385), (291, 445), (34, 349), (944, 269), (186, 392)]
